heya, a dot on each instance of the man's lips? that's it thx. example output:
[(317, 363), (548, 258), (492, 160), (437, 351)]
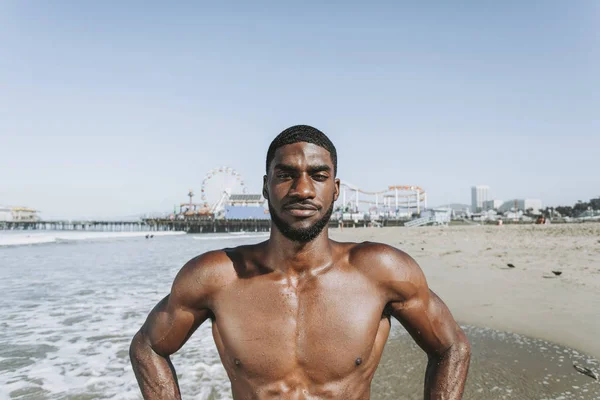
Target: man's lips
[(301, 210)]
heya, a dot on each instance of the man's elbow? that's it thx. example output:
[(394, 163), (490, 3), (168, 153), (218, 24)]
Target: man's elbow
[(137, 348), (461, 349), (464, 348), (458, 352), (142, 349)]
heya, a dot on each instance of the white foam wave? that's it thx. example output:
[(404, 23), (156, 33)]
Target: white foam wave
[(66, 330), (41, 237)]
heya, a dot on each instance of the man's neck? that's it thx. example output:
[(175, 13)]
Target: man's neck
[(291, 257)]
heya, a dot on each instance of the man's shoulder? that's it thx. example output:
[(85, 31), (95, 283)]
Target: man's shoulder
[(384, 263), (374, 254), (217, 268), (214, 264), (209, 263), (208, 274)]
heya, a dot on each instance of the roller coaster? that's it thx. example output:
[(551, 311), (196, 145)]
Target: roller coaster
[(397, 200)]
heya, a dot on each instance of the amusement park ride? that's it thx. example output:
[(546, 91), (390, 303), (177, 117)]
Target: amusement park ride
[(217, 187), (388, 202), (221, 183)]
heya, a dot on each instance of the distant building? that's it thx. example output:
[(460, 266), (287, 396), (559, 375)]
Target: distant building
[(479, 195), (244, 212), (24, 214), (456, 207), (18, 214), (492, 204), (439, 216), (458, 210), (246, 206), (253, 200), (534, 205)]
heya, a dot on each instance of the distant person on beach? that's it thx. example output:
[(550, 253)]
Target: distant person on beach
[(301, 316)]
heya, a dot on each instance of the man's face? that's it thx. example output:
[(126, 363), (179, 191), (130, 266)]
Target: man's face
[(300, 188)]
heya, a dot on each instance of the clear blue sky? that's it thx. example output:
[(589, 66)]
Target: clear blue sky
[(117, 108)]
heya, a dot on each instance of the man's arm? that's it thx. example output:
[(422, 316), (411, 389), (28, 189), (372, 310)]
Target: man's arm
[(428, 321), (168, 327)]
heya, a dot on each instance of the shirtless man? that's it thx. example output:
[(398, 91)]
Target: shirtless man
[(301, 316)]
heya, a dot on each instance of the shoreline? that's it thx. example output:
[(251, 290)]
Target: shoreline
[(467, 267), (28, 238)]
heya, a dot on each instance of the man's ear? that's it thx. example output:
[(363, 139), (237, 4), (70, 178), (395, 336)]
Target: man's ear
[(337, 189), (264, 190)]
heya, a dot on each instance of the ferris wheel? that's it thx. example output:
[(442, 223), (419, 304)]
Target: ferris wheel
[(218, 185)]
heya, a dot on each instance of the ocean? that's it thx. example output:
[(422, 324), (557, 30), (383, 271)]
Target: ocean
[(71, 302)]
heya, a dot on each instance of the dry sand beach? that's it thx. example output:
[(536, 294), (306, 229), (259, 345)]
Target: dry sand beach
[(467, 266)]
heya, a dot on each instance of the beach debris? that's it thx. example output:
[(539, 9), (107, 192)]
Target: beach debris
[(510, 265), (557, 273), (586, 371)]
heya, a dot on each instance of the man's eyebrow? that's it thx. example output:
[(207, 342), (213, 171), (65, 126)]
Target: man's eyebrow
[(311, 169), (285, 167), (319, 168)]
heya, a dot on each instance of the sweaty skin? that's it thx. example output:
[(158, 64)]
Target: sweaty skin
[(296, 320)]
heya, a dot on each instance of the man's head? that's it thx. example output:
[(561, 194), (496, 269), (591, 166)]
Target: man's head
[(300, 185)]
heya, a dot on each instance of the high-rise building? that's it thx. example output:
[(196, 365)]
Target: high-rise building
[(479, 195)]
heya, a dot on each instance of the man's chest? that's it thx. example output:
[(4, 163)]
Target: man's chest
[(328, 322)]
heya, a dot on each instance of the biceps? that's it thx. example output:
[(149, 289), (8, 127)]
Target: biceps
[(429, 322), (169, 326)]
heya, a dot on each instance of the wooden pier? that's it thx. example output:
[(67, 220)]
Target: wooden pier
[(206, 225), (209, 225), (101, 226), (246, 225)]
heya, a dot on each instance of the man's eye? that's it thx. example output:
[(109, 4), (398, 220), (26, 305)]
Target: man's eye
[(284, 176), (321, 177)]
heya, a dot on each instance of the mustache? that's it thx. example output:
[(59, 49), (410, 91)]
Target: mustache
[(302, 205)]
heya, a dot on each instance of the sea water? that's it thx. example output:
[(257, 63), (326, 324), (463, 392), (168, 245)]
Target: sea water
[(69, 308)]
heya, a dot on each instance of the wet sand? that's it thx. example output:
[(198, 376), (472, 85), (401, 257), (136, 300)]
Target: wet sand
[(503, 366)]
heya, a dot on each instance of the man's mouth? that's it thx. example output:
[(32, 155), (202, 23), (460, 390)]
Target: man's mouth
[(301, 210)]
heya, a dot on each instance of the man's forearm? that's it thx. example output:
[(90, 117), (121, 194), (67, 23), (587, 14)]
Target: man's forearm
[(155, 374), (446, 375)]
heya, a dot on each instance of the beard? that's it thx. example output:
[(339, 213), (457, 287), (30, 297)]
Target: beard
[(301, 235)]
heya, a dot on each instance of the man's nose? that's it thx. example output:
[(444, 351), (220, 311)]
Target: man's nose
[(303, 187)]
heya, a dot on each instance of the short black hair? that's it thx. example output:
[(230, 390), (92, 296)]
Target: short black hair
[(302, 133)]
